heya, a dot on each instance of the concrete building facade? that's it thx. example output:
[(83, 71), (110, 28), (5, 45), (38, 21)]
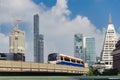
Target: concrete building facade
[(17, 40), (16, 44)]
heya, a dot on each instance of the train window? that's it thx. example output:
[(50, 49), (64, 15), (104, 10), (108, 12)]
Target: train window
[(81, 62), (66, 59), (78, 61), (61, 58), (72, 60)]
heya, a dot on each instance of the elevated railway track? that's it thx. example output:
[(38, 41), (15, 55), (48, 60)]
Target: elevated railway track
[(30, 68)]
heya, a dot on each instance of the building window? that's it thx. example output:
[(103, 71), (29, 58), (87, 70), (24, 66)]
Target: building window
[(16, 38)]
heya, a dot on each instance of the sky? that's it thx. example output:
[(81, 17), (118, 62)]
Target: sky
[(59, 21)]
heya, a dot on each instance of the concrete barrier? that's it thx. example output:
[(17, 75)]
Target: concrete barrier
[(16, 66)]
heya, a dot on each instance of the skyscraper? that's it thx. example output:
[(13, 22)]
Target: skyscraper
[(79, 47), (41, 48), (84, 48), (38, 42), (17, 40), (109, 44), (90, 56)]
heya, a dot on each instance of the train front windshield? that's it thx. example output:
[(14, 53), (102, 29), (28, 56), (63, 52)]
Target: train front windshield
[(52, 57)]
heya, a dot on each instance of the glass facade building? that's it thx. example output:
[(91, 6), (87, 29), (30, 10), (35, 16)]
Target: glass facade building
[(90, 51)]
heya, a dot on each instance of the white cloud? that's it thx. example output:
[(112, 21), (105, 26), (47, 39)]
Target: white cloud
[(23, 9), (60, 8), (60, 30), (55, 24)]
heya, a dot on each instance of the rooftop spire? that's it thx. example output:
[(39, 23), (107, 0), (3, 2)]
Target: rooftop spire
[(110, 19), (17, 23)]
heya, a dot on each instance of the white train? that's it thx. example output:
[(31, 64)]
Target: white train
[(56, 58)]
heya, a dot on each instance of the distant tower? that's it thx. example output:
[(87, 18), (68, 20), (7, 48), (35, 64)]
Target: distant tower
[(109, 45), (79, 46), (17, 40), (38, 42)]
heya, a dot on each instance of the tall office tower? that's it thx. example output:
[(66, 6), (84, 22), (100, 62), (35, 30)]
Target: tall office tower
[(17, 40), (38, 42), (90, 56), (108, 45), (79, 47)]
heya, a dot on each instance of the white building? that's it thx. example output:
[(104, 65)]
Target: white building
[(108, 45), (17, 40)]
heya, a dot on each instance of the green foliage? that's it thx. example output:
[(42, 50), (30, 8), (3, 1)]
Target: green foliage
[(94, 72), (110, 72), (106, 72), (118, 74)]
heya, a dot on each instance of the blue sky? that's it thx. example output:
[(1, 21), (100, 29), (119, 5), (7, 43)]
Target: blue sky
[(59, 21), (96, 10)]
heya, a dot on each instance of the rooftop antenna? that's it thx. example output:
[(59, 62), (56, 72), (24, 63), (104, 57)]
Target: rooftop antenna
[(110, 18)]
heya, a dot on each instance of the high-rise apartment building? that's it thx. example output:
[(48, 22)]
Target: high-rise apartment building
[(17, 40), (90, 56), (109, 45), (38, 42), (17, 43)]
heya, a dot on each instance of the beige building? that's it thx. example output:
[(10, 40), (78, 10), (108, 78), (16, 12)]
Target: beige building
[(17, 40)]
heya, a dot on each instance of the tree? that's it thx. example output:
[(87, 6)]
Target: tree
[(110, 72), (94, 72)]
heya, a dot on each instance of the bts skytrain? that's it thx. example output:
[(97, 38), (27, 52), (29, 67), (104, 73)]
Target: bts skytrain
[(56, 58)]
